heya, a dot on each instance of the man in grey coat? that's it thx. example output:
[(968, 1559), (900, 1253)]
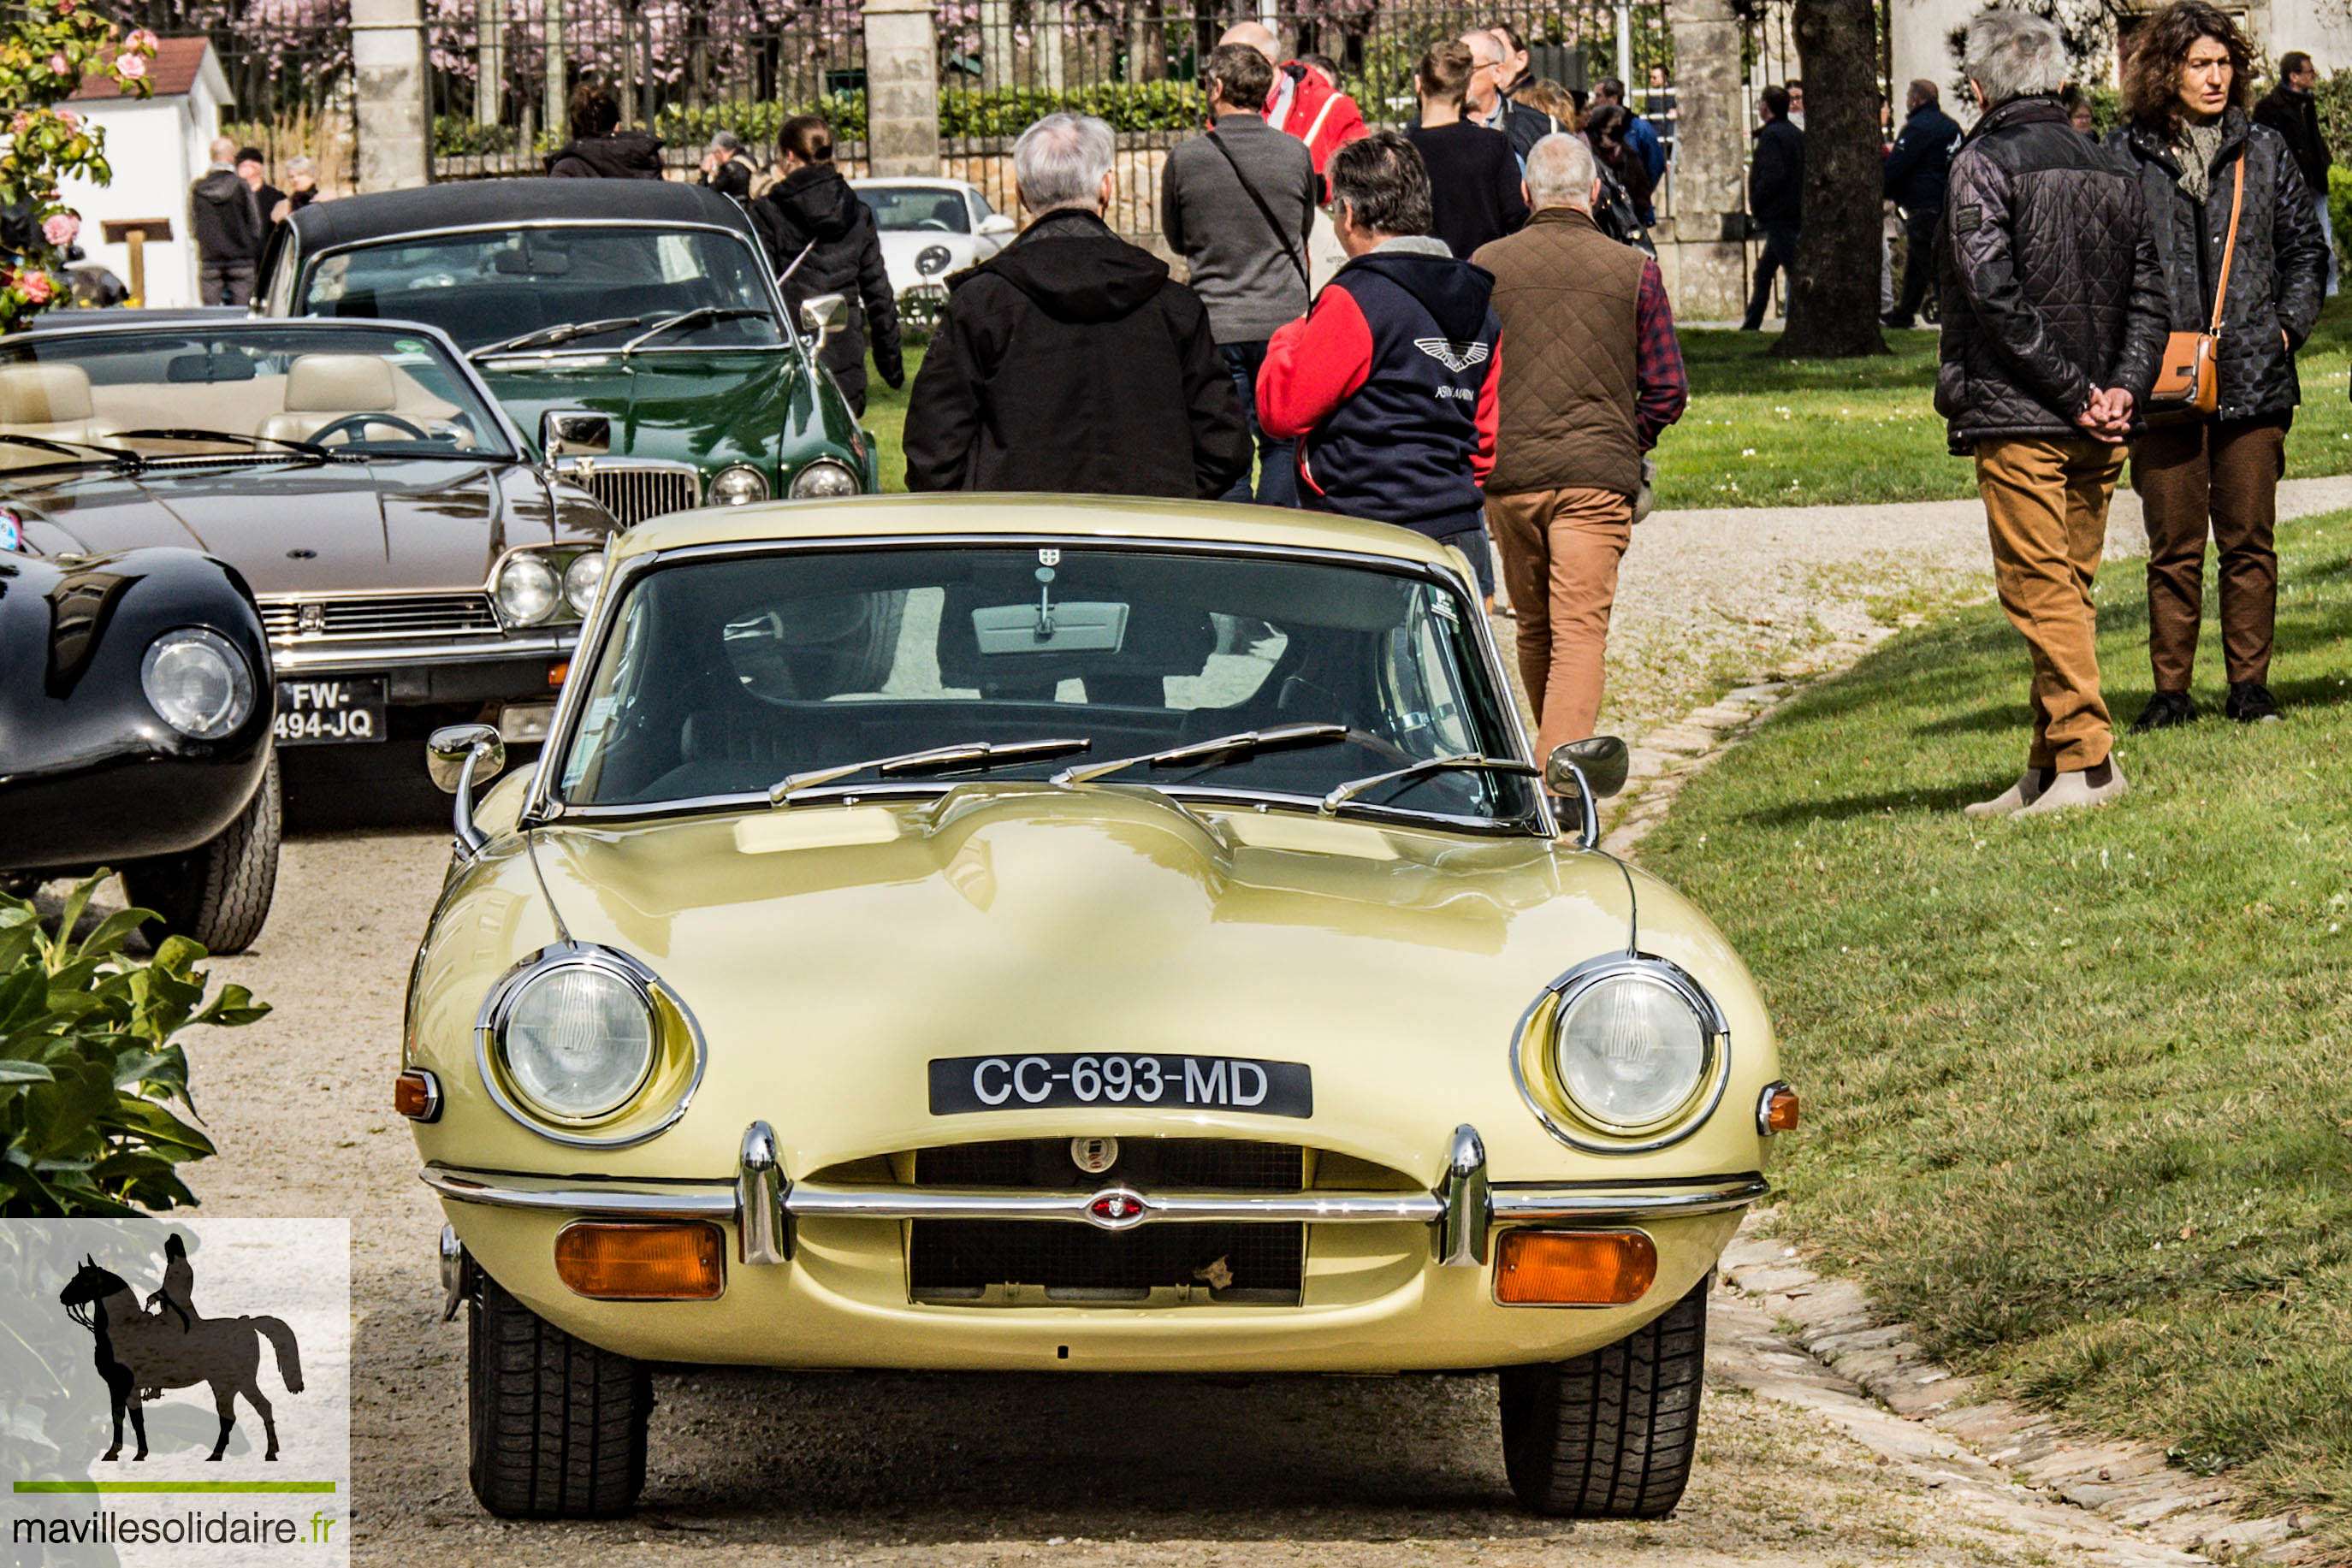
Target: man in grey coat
[(1238, 205)]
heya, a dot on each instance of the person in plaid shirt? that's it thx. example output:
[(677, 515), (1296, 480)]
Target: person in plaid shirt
[(1592, 374)]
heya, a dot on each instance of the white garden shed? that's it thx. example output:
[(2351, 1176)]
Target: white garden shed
[(158, 146)]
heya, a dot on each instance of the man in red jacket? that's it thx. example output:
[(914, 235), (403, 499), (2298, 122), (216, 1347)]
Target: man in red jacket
[(1390, 382), (1302, 102)]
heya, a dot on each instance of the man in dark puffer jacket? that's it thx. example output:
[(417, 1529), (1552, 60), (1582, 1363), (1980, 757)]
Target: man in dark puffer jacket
[(2053, 320), (822, 239), (598, 149)]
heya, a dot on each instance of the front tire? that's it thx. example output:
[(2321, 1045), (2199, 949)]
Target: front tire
[(555, 1427), (217, 894), (1610, 1435)]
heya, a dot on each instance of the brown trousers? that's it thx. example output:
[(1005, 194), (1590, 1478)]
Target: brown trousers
[(2046, 502), (2191, 477), (1560, 551)]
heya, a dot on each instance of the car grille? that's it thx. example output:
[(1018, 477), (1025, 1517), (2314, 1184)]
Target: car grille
[(388, 616), (1166, 1164), (633, 494), (959, 1259)]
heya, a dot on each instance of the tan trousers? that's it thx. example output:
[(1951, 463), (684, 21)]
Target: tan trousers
[(1560, 551), (2046, 502), (2223, 477)]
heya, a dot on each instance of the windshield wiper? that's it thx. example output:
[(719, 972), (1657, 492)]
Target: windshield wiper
[(972, 756), (1472, 761), (548, 337), (72, 451), (308, 449), (700, 316), (1224, 749)]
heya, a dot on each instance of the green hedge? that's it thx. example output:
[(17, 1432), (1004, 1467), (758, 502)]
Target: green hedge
[(1006, 111)]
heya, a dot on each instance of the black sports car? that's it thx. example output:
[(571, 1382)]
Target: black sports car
[(134, 732)]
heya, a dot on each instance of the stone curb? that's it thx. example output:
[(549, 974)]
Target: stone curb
[(2131, 1483)]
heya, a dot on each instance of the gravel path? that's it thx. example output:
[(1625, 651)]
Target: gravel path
[(753, 1468)]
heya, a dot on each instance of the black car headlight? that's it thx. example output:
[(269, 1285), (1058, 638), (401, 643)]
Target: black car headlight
[(1623, 1054), (823, 479), (197, 682), (584, 1038), (933, 260)]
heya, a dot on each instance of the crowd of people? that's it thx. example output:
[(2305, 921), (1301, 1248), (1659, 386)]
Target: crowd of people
[(232, 211)]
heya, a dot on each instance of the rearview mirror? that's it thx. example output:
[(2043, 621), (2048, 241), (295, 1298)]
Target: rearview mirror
[(997, 224), (457, 756), (575, 433), (823, 315), (1599, 764)]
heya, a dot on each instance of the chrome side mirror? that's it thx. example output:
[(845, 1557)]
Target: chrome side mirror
[(456, 756), (575, 433), (1587, 772), (823, 315)]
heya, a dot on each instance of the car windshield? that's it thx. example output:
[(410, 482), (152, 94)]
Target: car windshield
[(721, 677), (926, 207), (240, 388), (490, 287)]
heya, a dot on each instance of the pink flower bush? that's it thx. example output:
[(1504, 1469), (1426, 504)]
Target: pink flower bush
[(33, 286), (129, 67), (58, 64), (144, 41), (61, 229)]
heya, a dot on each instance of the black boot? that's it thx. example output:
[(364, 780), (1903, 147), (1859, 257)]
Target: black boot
[(2163, 711), (2250, 703)]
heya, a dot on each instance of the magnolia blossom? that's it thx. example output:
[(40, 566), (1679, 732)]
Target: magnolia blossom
[(61, 229), (129, 67)]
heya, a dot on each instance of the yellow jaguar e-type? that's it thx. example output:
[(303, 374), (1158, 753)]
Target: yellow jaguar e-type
[(1027, 934)]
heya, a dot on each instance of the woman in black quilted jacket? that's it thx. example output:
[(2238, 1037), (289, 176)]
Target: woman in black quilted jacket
[(822, 239), (2190, 139)]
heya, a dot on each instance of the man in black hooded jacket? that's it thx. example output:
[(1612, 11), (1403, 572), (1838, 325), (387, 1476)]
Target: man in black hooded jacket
[(820, 239), (1072, 362)]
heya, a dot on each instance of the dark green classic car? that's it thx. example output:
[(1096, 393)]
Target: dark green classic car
[(646, 302)]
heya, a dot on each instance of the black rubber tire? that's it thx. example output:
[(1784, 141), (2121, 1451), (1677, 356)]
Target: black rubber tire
[(1611, 1435), (219, 895), (555, 1427)]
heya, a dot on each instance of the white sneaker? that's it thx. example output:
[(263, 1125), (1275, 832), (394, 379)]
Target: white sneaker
[(2016, 797), (2090, 786)]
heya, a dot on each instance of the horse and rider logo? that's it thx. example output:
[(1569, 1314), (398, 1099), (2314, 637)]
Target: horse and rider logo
[(167, 1343)]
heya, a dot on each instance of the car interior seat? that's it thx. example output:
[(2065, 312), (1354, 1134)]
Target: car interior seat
[(323, 388), (50, 401)]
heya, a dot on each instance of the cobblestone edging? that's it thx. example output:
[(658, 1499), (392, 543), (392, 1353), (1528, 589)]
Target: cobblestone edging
[(2183, 1518)]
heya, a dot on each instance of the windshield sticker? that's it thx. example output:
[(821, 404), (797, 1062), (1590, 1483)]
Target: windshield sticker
[(409, 345), (1443, 604), (12, 530)]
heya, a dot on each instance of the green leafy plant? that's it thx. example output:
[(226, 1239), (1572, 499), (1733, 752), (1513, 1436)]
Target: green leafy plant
[(461, 136), (46, 47), (88, 1071)]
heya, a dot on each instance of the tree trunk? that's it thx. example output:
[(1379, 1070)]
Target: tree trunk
[(1833, 299)]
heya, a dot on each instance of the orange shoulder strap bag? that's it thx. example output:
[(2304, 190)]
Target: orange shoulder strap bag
[(2189, 378)]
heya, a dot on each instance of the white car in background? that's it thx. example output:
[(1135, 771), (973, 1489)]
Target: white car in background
[(932, 229)]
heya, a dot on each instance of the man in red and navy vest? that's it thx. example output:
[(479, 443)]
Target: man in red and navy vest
[(1389, 384)]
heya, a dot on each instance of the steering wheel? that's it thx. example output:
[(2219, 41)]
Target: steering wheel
[(354, 427), (935, 225)]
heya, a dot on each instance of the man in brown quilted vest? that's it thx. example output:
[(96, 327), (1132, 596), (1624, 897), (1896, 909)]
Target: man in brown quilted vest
[(1590, 374)]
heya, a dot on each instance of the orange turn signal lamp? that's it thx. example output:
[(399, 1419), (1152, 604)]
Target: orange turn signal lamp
[(416, 1094), (666, 1260), (1776, 1110), (559, 673), (1574, 1268)]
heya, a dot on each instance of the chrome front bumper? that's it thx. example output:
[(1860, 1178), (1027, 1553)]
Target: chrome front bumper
[(764, 1204), (357, 657)]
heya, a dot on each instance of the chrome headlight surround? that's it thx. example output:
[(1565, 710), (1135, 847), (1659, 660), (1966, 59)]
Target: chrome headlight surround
[(736, 484), (203, 652), (663, 1091), (1533, 1068), (527, 588), (826, 479)]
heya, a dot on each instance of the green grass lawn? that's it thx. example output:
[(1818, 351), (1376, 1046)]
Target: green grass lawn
[(2078, 1092), (1766, 432)]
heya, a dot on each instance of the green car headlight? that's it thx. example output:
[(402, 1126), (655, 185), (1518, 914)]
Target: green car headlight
[(738, 485), (823, 480)]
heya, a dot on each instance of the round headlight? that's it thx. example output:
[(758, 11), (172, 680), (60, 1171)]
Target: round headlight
[(738, 486), (1629, 1051), (932, 260), (197, 682), (578, 1041), (823, 479), (580, 581), (527, 589)]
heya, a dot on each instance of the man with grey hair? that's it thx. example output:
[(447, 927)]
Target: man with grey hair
[(724, 168), (2054, 317), (1591, 375), (1071, 361)]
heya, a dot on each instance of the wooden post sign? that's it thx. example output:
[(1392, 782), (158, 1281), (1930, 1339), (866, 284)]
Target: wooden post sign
[(135, 233)]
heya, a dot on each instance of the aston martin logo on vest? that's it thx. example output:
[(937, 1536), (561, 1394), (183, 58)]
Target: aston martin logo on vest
[(1453, 356)]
